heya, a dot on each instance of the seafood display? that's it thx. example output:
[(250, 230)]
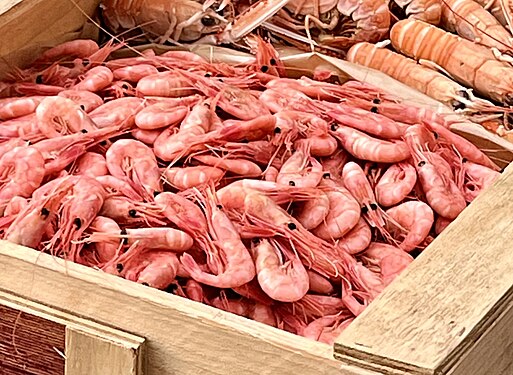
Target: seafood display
[(292, 202)]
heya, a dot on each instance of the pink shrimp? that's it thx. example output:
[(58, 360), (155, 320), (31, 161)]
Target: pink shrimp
[(21, 172), (365, 147), (356, 182), (16, 205), (479, 178), (95, 79), (118, 112), (115, 186), (105, 250), (319, 284), (76, 48), (90, 164), (357, 239), (134, 161), (441, 223), (313, 212), (31, 223), (412, 220), (134, 73), (271, 174), (160, 115), (18, 107), (238, 264), (161, 270), (263, 314), (282, 281), (86, 100), (57, 116), (294, 171), (169, 84), (240, 167), (389, 260), (126, 211), (334, 163), (395, 184), (147, 137), (183, 178)]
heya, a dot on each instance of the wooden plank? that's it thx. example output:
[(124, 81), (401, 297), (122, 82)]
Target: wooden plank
[(86, 354), (89, 348), (19, 332), (6, 5), (185, 337), (444, 305)]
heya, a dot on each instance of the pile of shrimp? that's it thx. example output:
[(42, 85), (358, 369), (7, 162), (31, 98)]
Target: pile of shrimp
[(292, 202)]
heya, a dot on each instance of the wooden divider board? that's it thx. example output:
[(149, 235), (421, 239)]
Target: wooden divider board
[(38, 340)]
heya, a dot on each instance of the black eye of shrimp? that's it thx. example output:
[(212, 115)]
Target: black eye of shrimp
[(219, 206), (77, 222), (277, 130), (39, 79), (374, 109), (421, 163), (208, 21), (85, 62), (45, 212), (264, 68), (84, 131), (145, 284), (334, 127), (435, 134), (458, 105), (256, 241), (272, 62), (365, 210), (119, 267), (208, 75), (103, 143), (82, 107), (464, 160), (376, 101), (373, 206), (291, 226), (292, 183), (155, 193), (132, 213), (326, 175)]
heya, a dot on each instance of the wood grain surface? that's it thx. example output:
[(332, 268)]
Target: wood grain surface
[(451, 310), (30, 345)]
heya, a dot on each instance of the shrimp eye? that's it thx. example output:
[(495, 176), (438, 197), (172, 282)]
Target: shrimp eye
[(172, 288), (326, 175), (208, 21), (145, 284), (82, 107), (373, 206), (45, 212), (123, 232), (155, 193), (39, 79), (221, 80), (464, 160), (219, 206), (208, 75), (86, 62), (272, 62), (132, 213), (421, 163), (458, 105), (374, 109), (77, 222), (255, 240), (103, 143), (292, 183), (84, 131), (291, 226), (435, 134), (124, 86), (277, 130), (119, 267), (244, 141), (29, 143), (334, 127), (264, 68), (376, 100), (365, 210)]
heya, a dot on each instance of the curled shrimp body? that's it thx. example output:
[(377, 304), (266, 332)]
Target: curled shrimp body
[(294, 171), (17, 107), (160, 115), (183, 178), (343, 214), (240, 167), (86, 100), (319, 284), (118, 112), (285, 282), (105, 250), (148, 137), (126, 211), (357, 239), (388, 260), (133, 160), (395, 184), (91, 164), (95, 79), (161, 271), (365, 147), (58, 116), (21, 172), (16, 205), (412, 220), (478, 178), (314, 211), (134, 73), (239, 268)]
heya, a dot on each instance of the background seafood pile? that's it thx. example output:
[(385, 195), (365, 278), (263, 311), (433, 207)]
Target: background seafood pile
[(292, 202), (457, 52)]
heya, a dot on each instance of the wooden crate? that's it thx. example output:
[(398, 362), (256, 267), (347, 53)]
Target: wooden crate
[(450, 312)]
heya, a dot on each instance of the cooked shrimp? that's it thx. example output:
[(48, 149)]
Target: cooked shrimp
[(90, 164), (168, 84), (15, 206), (21, 172), (147, 137), (357, 239), (95, 79), (105, 250), (134, 73), (478, 178), (239, 268), (160, 115), (240, 167), (282, 281), (126, 211), (388, 259), (365, 147), (441, 223), (133, 160), (86, 100), (319, 284), (314, 211), (17, 107), (118, 112), (413, 221), (295, 170), (183, 178), (161, 271), (343, 215), (395, 184)]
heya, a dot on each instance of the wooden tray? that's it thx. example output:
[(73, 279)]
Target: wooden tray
[(450, 312)]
